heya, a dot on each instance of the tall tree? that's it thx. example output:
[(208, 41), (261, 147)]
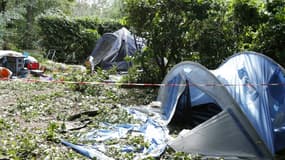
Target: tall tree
[(181, 30), (19, 17), (165, 24), (271, 34), (103, 9), (3, 4), (7, 16), (246, 17)]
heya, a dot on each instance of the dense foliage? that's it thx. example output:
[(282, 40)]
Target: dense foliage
[(203, 31), (18, 26), (72, 39), (270, 39), (206, 31)]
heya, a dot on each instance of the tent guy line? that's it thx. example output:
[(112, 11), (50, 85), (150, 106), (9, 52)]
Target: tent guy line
[(142, 84)]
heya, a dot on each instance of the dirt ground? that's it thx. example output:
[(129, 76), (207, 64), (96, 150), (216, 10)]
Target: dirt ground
[(32, 114)]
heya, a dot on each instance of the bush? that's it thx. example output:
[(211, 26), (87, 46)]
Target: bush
[(144, 69), (88, 89), (73, 39), (109, 26), (87, 22)]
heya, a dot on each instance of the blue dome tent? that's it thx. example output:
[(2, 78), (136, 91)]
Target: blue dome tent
[(237, 110), (112, 48)]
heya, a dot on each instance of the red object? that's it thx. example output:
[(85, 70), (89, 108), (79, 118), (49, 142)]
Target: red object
[(33, 65), (5, 72)]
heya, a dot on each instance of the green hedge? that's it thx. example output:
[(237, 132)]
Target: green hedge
[(108, 26), (73, 39)]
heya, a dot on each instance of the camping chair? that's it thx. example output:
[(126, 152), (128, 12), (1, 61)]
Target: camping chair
[(51, 54)]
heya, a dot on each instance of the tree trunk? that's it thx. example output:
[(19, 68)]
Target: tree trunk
[(161, 65), (3, 4), (29, 27)]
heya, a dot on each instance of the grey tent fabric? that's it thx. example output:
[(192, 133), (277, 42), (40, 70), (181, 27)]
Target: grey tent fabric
[(112, 48), (232, 110)]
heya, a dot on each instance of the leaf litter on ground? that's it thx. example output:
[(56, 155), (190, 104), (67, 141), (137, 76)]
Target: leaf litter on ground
[(34, 116)]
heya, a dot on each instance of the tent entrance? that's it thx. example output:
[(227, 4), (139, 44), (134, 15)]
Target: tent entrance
[(187, 116), (194, 116)]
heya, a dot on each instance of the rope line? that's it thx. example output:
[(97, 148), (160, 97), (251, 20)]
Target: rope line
[(29, 80)]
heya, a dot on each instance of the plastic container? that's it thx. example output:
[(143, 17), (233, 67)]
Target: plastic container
[(33, 65)]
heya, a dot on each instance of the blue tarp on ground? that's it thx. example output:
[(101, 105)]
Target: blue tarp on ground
[(153, 133)]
